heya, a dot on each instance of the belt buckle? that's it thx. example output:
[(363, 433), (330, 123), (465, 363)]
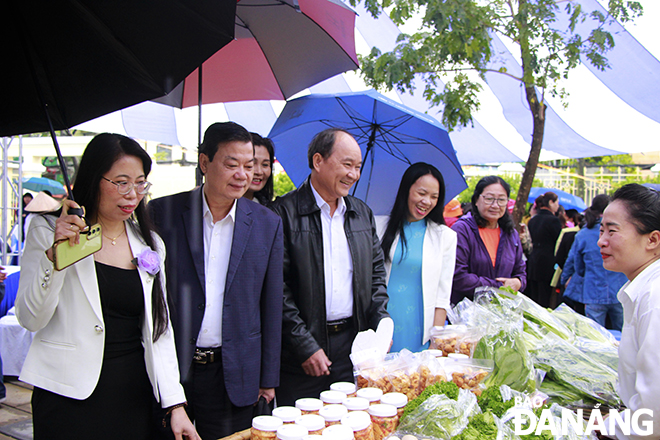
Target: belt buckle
[(204, 357)]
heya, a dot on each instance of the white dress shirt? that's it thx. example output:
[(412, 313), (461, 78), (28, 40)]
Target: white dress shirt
[(337, 261), (218, 239), (639, 357)]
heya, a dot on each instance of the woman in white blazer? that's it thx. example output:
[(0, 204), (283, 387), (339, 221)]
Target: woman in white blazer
[(420, 255), (104, 347)]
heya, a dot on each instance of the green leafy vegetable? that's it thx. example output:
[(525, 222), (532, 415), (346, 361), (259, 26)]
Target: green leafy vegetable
[(564, 395), (481, 427), (440, 417), (491, 400), (449, 389), (513, 364), (568, 366), (583, 326)]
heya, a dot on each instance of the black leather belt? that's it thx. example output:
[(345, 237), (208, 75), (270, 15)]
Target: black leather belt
[(340, 325), (207, 355)]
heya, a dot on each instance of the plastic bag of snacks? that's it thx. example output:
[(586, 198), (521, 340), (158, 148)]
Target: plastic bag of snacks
[(469, 374), (404, 375), (373, 377), (407, 373), (455, 339), (431, 370)]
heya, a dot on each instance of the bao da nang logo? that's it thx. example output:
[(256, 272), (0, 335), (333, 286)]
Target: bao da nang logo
[(639, 422)]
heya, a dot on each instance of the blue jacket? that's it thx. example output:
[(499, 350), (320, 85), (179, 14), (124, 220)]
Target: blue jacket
[(574, 289), (600, 285)]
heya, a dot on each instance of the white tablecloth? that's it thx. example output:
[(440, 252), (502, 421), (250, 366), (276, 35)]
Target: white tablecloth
[(14, 344)]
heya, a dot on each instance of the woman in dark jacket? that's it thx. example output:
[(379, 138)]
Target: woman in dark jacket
[(488, 252), (544, 228)]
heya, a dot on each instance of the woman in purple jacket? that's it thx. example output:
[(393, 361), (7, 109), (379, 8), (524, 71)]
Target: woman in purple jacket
[(488, 252)]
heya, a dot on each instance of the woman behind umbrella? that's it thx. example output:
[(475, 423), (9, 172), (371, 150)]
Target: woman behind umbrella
[(600, 286), (489, 252), (261, 187), (544, 228), (630, 243), (104, 345), (420, 254)]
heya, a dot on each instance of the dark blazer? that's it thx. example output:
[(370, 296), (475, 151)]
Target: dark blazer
[(252, 311)]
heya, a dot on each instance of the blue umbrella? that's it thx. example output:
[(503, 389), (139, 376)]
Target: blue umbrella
[(391, 136), (567, 200), (655, 186), (44, 184)]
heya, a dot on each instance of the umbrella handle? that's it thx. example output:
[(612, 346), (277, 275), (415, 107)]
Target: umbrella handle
[(77, 211)]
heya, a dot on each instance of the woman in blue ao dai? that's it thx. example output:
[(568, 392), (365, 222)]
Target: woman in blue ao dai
[(420, 255)]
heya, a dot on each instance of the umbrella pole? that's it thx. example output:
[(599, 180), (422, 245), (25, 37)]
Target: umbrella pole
[(60, 159), (198, 172), (370, 146)]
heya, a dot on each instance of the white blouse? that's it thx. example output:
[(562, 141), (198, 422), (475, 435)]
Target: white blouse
[(639, 357)]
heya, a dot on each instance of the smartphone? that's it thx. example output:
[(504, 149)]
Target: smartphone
[(90, 242)]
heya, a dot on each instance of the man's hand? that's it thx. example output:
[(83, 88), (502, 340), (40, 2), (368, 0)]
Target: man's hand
[(514, 283), (182, 427), (317, 364), (267, 393)]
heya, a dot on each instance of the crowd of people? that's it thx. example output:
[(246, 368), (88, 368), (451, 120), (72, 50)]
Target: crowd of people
[(203, 303)]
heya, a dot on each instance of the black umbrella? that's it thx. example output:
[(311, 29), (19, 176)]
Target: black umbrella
[(69, 61)]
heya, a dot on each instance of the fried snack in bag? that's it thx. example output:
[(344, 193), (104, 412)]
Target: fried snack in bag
[(455, 339)]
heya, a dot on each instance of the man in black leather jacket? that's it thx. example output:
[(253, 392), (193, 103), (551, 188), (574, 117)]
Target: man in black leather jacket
[(334, 278)]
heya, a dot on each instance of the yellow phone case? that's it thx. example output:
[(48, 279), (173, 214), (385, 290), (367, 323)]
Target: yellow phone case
[(90, 242)]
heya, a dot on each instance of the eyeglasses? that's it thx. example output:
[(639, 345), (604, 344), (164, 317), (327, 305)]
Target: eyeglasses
[(124, 188), (490, 200)]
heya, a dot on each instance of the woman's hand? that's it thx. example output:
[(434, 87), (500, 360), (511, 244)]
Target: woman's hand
[(182, 427), (514, 283), (67, 227)]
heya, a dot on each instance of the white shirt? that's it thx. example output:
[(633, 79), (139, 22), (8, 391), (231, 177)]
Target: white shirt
[(218, 239), (639, 357), (337, 261)]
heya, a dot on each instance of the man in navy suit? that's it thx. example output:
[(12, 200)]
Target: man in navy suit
[(224, 281)]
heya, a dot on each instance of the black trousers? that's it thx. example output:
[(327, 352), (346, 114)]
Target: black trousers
[(542, 293), (295, 384), (209, 405)]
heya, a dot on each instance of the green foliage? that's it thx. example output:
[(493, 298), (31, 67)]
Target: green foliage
[(617, 185), (598, 161), (282, 184), (512, 179), (456, 36)]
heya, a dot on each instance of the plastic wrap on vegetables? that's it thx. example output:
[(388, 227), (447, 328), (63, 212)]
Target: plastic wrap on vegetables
[(565, 395), (542, 317), (600, 352), (440, 417), (567, 365), (513, 365), (486, 426), (584, 327)]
